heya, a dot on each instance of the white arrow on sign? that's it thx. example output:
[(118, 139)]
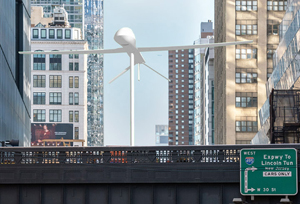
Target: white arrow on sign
[(246, 178)]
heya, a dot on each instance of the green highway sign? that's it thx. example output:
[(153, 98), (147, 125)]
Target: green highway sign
[(268, 172)]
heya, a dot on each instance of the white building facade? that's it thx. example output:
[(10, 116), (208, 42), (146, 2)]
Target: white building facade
[(59, 82)]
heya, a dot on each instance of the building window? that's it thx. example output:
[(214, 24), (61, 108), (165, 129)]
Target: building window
[(70, 116), (273, 29), (76, 82), (246, 126), (51, 33), (39, 81), (70, 66), (39, 97), (277, 5), (76, 117), (71, 98), (43, 33), (55, 62), (35, 33), (246, 100), (38, 61), (39, 115), (70, 82), (55, 81), (76, 66), (247, 76), (55, 98), (68, 34), (59, 33), (76, 98), (270, 53), (246, 53), (76, 56), (54, 115), (246, 5), (76, 133), (246, 29)]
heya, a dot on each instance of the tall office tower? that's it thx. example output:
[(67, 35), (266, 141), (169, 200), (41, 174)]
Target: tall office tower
[(181, 97), (204, 88), (241, 71), (94, 35), (15, 71), (161, 135), (59, 91), (87, 15)]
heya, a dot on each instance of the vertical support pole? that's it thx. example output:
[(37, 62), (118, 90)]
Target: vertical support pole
[(131, 99), (139, 72)]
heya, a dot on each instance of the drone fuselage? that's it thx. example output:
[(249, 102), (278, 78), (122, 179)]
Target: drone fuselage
[(126, 38)]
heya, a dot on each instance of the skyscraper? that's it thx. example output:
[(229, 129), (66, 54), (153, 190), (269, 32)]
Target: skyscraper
[(181, 97), (204, 88), (87, 15), (241, 71), (15, 71)]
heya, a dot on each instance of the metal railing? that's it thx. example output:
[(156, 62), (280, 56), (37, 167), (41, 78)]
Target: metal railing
[(127, 155)]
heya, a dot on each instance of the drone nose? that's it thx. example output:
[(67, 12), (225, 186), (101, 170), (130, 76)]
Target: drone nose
[(124, 37)]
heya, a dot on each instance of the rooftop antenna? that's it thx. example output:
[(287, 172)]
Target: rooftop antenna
[(126, 38)]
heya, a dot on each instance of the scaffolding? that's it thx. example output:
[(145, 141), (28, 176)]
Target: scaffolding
[(285, 116)]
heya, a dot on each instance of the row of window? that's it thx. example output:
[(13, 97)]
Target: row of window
[(252, 29), (246, 99), (246, 126), (55, 98), (55, 81), (251, 5), (51, 34), (39, 115), (246, 29), (242, 77), (246, 53)]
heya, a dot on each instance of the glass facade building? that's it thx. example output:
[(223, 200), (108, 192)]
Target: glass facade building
[(87, 15), (15, 71), (286, 64)]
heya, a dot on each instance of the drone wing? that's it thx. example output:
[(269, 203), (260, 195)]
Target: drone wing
[(102, 51), (149, 49)]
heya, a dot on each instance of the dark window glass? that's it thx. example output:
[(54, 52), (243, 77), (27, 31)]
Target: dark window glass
[(70, 66), (51, 33), (59, 33), (35, 33), (38, 61), (39, 98), (43, 33), (76, 116), (55, 62), (76, 66), (68, 34), (76, 133)]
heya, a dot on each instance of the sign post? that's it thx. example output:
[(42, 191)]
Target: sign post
[(268, 172)]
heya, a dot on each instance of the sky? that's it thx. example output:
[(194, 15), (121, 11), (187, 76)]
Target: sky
[(154, 23)]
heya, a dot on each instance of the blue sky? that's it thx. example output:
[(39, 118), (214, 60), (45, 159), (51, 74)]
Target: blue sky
[(154, 23)]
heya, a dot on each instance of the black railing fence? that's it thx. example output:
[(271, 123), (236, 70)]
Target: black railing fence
[(123, 155)]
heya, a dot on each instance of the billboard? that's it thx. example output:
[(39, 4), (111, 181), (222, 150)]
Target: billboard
[(41, 131)]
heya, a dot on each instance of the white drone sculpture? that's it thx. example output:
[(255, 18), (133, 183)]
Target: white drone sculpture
[(126, 38)]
